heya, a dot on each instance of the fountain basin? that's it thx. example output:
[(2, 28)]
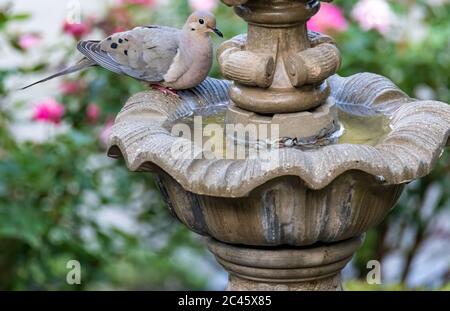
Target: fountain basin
[(324, 194), (283, 211)]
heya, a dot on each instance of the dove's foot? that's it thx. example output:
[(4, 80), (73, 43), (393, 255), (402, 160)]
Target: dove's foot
[(165, 90)]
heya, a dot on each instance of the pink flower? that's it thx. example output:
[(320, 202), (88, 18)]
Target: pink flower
[(92, 113), (203, 5), (106, 132), (119, 29), (373, 14), (28, 41), (139, 2), (71, 87), (49, 111), (76, 30), (329, 18)]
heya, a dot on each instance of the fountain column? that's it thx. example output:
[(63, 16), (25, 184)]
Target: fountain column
[(279, 73), (279, 69)]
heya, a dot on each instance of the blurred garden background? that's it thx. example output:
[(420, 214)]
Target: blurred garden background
[(61, 198)]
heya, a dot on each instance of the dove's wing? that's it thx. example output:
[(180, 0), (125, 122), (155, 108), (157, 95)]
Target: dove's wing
[(144, 53)]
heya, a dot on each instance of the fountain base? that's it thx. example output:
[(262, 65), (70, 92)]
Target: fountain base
[(332, 283), (315, 267)]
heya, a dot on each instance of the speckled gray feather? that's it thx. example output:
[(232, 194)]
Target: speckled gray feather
[(144, 53)]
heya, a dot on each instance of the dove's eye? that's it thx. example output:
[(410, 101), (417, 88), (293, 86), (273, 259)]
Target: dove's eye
[(201, 21)]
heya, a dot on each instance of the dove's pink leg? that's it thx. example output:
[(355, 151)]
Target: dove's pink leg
[(164, 90)]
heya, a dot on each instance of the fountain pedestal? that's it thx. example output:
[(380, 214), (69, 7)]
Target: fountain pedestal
[(307, 268), (279, 73)]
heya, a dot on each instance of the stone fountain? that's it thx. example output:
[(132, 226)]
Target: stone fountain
[(344, 148)]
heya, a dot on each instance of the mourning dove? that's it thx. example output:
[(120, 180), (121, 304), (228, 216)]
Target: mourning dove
[(167, 58)]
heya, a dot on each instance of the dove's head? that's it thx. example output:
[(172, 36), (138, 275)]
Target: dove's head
[(202, 22)]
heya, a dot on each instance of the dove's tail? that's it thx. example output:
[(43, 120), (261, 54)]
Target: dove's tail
[(82, 64)]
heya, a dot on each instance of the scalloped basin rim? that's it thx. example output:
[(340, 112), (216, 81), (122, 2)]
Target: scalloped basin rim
[(420, 130)]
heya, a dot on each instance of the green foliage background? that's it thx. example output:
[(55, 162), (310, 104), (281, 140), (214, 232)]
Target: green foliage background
[(50, 192)]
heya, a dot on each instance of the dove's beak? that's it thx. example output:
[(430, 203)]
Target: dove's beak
[(217, 32)]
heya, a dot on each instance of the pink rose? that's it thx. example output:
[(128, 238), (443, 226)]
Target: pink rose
[(203, 5), (76, 30), (28, 41), (330, 18), (106, 132), (49, 111), (373, 14), (92, 113), (71, 87)]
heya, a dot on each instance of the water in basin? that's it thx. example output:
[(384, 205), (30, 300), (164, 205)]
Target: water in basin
[(352, 129), (368, 130)]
